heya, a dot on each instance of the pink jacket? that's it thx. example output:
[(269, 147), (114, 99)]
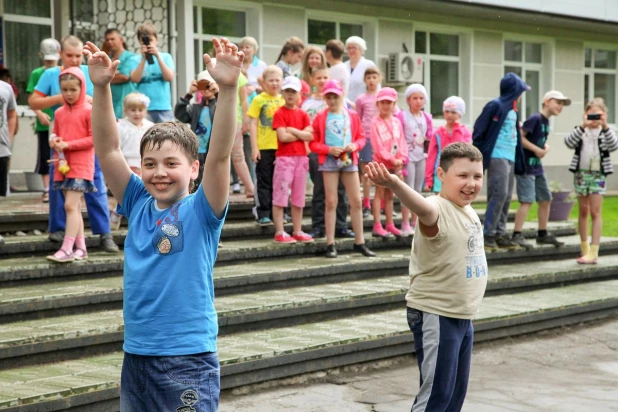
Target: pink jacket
[(72, 123), (384, 137), (460, 134), (318, 145)]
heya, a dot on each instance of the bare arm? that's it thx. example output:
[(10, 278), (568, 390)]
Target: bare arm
[(284, 136), (104, 127), (305, 135), (38, 102), (255, 152), (120, 79), (166, 72), (527, 144), (136, 75), (12, 121), (225, 73)]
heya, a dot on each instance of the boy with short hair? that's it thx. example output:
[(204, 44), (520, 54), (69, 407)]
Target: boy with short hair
[(531, 183), (291, 168), (496, 134), (448, 272), (334, 51), (264, 141), (170, 340)]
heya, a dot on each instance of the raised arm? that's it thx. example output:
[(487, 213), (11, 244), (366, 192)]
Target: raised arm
[(225, 72), (104, 128)]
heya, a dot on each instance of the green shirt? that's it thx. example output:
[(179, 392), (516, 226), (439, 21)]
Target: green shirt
[(242, 80), (119, 91), (32, 81)]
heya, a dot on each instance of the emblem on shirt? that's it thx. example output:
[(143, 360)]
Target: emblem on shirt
[(168, 236), (476, 263)]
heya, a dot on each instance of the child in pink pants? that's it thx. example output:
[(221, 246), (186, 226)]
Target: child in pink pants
[(291, 162)]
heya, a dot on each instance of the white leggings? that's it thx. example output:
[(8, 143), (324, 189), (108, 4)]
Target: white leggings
[(416, 175)]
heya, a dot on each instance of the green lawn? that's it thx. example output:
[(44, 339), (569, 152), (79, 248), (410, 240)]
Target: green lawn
[(610, 214)]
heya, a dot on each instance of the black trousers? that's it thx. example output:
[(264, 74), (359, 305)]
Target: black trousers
[(264, 171), (4, 175), (318, 202)]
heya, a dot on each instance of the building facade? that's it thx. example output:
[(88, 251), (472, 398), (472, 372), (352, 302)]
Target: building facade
[(466, 45)]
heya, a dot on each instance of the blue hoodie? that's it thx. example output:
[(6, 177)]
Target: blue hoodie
[(488, 124)]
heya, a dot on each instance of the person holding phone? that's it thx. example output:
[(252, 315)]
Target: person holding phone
[(591, 163), (153, 72)]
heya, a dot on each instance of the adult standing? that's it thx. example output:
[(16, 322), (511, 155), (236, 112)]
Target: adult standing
[(121, 83), (153, 72), (357, 65)]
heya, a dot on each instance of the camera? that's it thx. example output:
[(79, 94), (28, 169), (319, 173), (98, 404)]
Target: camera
[(146, 41), (594, 116)]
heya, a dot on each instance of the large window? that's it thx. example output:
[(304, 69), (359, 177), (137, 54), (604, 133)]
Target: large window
[(600, 78), (526, 60), (441, 67), (25, 24), (211, 22), (320, 31)]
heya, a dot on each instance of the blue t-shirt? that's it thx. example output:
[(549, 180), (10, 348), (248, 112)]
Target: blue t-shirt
[(168, 274), (338, 130), (119, 91), (507, 138), (203, 130), (152, 83), (49, 83), (536, 128)]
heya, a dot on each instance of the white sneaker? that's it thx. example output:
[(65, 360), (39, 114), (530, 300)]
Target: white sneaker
[(407, 232), (236, 188)]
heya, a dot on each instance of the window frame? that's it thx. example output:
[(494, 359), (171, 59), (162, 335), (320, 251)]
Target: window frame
[(336, 18), (24, 109), (525, 66), (591, 71), (428, 57)]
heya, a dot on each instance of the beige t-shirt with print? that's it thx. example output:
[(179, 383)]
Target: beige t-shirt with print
[(449, 271)]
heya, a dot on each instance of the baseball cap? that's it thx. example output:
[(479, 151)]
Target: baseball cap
[(291, 82), (50, 49), (205, 76), (387, 93), (333, 86), (555, 94)]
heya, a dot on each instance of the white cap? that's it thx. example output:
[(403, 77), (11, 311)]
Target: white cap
[(556, 95), (454, 104), (205, 76), (417, 88), (50, 49), (359, 41), (292, 82)]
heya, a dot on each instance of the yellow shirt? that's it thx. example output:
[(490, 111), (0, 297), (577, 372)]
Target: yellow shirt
[(449, 271), (263, 108)]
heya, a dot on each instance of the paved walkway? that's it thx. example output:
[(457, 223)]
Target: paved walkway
[(570, 369)]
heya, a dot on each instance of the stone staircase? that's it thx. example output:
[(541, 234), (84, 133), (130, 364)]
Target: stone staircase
[(283, 310)]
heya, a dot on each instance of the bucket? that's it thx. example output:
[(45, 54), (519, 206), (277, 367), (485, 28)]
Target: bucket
[(33, 182)]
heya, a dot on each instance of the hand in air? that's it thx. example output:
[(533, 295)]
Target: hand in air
[(100, 67), (228, 62), (379, 174)]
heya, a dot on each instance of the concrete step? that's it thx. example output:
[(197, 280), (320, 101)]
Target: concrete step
[(232, 231), (253, 357), (43, 289), (63, 336)]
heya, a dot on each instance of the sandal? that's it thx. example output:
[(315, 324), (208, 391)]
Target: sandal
[(61, 256), (80, 254), (584, 261), (45, 197)]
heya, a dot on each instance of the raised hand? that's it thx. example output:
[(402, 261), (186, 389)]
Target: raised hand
[(100, 67), (379, 174), (228, 62)]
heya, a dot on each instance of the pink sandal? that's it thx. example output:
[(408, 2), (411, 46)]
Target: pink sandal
[(80, 254), (583, 261), (61, 256)]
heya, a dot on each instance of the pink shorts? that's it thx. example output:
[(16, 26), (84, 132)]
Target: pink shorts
[(290, 173)]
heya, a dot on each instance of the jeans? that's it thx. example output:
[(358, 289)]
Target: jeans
[(170, 383), (501, 177)]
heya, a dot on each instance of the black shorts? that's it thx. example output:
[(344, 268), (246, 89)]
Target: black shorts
[(42, 167), (4, 175)]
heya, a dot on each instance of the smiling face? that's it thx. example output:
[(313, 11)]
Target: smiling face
[(554, 106), (462, 182), (167, 172), (314, 60), (354, 52), (71, 56), (136, 114), (70, 90)]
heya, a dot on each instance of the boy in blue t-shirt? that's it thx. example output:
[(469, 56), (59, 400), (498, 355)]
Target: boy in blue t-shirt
[(170, 333), (532, 184), (496, 134)]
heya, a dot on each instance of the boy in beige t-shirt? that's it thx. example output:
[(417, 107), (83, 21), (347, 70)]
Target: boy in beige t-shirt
[(448, 273)]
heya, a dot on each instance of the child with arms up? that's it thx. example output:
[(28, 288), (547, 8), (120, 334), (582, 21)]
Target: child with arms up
[(171, 245), (448, 271)]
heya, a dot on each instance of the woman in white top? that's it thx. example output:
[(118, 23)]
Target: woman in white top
[(252, 66), (357, 65)]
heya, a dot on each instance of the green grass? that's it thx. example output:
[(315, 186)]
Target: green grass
[(610, 214)]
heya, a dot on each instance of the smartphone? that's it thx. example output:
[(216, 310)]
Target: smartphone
[(594, 116)]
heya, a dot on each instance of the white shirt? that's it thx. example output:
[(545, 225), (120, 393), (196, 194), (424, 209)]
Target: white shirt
[(340, 72), (357, 78), (415, 129), (130, 138), (590, 158)]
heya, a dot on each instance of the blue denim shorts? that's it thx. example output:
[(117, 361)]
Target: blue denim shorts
[(331, 165), (76, 185), (160, 116), (185, 383), (531, 188)]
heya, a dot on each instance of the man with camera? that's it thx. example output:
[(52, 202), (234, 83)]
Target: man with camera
[(153, 72)]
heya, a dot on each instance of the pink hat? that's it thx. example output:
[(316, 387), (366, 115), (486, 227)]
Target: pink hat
[(333, 86), (387, 93)]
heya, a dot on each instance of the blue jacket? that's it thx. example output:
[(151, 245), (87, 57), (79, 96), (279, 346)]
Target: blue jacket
[(488, 124)]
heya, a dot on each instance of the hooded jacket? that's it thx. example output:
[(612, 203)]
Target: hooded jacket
[(72, 124), (488, 124)]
